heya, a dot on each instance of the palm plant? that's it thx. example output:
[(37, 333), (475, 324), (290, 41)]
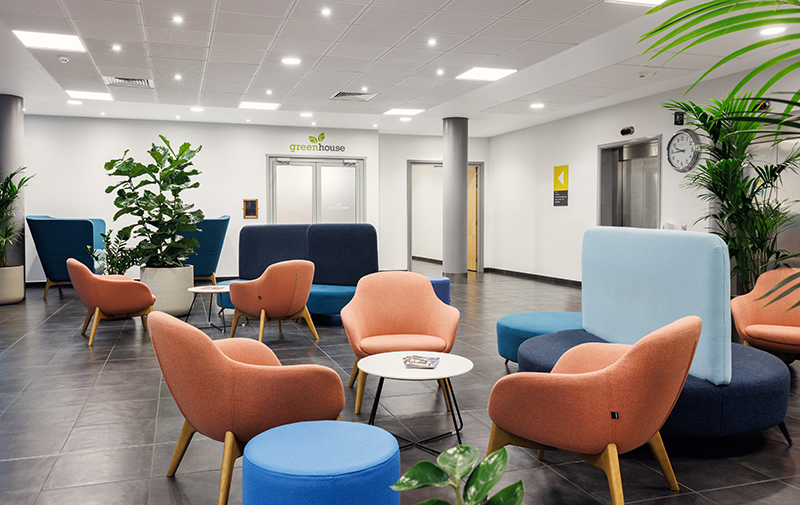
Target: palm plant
[(744, 206), (9, 193)]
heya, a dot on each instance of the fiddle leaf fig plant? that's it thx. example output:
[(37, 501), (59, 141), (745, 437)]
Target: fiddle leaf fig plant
[(116, 257), (9, 194), (457, 463), (152, 195)]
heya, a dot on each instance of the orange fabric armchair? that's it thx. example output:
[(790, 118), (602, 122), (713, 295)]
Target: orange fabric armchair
[(774, 328), (233, 389), (109, 296), (396, 311), (280, 293), (600, 400)]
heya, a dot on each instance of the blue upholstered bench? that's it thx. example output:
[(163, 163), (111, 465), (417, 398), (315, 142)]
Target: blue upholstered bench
[(635, 281), (441, 286), (514, 329), (331, 462)]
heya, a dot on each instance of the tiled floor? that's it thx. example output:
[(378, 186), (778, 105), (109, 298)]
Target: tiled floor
[(84, 425)]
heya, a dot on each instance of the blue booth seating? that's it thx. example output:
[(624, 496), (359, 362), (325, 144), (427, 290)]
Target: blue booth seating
[(514, 329), (211, 236), (331, 462), (58, 239), (636, 281), (341, 253)]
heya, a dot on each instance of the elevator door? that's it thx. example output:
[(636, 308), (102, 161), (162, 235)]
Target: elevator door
[(630, 186)]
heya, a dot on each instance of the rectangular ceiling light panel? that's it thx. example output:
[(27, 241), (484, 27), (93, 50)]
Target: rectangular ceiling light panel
[(89, 95), (404, 112), (53, 41), (485, 74), (259, 105)]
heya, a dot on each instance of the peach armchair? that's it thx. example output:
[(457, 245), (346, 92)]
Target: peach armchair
[(600, 400), (774, 328), (396, 311), (280, 293), (233, 389), (109, 296)]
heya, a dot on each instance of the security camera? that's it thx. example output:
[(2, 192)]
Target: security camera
[(628, 130), (63, 59)]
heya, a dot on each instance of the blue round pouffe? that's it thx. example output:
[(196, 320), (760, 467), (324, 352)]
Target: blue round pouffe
[(330, 462), (441, 286), (514, 329)]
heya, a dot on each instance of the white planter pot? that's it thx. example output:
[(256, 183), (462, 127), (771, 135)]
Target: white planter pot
[(170, 287), (12, 284)]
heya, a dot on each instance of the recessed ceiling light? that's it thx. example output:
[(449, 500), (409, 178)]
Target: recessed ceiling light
[(431, 42), (635, 2), (247, 120), (537, 105), (773, 31), (364, 88), (440, 72), (23, 109), (89, 95), (291, 61), (375, 125), (116, 47), (177, 117), (326, 12), (197, 109), (37, 40), (259, 105), (313, 123), (269, 91), (178, 77), (485, 74), (178, 19), (102, 113), (405, 119), (74, 102), (404, 112), (306, 114)]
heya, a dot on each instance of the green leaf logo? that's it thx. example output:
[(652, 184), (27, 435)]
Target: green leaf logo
[(313, 140), (321, 137)]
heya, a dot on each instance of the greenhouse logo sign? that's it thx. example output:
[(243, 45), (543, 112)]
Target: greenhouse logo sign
[(316, 145)]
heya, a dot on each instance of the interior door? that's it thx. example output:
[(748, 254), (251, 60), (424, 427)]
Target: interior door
[(472, 220)]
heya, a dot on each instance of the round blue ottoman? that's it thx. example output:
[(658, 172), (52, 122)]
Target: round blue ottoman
[(441, 286), (331, 462), (514, 329)]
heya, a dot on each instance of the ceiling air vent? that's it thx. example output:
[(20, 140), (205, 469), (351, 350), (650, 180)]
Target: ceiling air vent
[(127, 82), (352, 96)]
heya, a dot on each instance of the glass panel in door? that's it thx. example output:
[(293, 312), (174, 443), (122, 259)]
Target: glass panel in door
[(294, 194), (337, 194)]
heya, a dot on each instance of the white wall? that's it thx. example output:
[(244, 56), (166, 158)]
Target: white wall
[(67, 155), (426, 211)]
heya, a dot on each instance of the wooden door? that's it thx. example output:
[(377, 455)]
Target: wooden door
[(472, 220)]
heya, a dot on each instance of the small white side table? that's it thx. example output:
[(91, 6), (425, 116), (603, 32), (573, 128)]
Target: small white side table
[(390, 365), (210, 290)]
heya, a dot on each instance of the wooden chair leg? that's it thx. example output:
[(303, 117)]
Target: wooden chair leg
[(261, 321), (144, 321), (443, 385), (608, 461), (235, 323), (362, 381), (97, 315), (86, 321), (660, 452), (353, 374), (280, 325), (47, 285), (214, 278), (187, 432), (306, 315), (230, 453)]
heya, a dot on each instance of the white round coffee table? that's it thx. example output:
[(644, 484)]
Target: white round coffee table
[(210, 290), (390, 365)]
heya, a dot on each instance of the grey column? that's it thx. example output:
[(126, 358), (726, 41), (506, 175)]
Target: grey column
[(12, 146), (454, 198)]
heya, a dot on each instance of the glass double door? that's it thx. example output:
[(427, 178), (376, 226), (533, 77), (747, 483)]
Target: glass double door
[(316, 191)]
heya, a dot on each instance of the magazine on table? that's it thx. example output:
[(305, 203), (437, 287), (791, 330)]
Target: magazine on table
[(420, 362)]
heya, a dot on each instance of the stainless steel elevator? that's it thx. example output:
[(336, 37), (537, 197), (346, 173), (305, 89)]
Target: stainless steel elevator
[(630, 184)]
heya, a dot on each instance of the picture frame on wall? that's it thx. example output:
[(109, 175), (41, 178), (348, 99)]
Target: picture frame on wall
[(250, 208)]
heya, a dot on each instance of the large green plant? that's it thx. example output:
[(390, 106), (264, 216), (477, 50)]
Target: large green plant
[(458, 462), (152, 195), (744, 206), (9, 193), (116, 257)]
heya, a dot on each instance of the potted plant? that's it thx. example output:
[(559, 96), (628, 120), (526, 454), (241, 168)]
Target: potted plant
[(12, 278), (743, 204), (116, 257), (151, 194)]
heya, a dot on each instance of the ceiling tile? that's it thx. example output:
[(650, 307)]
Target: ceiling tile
[(373, 35), (392, 67), (111, 32), (610, 14), (411, 55), (494, 8), (207, 5), (486, 45), (121, 94), (457, 59), (537, 50), (433, 5), (453, 88), (312, 30), (232, 73), (131, 72), (107, 12), (162, 16), (418, 39), (38, 7), (102, 54), (30, 23), (520, 29), (460, 24), (326, 78), (341, 12), (571, 34), (549, 98), (79, 63), (237, 41), (347, 64), (421, 82), (177, 36), (591, 91), (397, 17), (246, 24), (338, 106), (170, 67), (515, 62), (220, 87), (553, 10), (274, 59), (376, 81), (222, 54), (258, 7), (359, 51), (296, 47), (177, 52), (214, 99)]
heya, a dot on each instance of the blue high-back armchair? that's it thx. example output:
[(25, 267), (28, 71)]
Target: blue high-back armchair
[(57, 239), (211, 235)]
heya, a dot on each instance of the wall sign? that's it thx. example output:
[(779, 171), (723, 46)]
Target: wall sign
[(560, 186), (316, 145)]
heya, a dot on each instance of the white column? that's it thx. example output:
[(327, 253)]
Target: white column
[(454, 197)]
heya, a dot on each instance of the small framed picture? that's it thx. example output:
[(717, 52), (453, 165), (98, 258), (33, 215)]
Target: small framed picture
[(251, 209)]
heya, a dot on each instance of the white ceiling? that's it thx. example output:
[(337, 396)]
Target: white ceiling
[(571, 55)]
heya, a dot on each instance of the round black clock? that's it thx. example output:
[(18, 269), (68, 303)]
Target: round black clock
[(683, 150)]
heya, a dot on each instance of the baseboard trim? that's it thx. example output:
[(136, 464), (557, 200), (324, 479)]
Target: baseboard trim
[(426, 260), (534, 277)]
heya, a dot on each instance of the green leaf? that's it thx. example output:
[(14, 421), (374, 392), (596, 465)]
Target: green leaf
[(458, 461), (423, 474), (509, 495), (485, 476), (321, 137), (313, 140)]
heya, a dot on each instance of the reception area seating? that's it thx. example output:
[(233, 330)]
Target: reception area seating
[(211, 236), (635, 281), (57, 239), (231, 390)]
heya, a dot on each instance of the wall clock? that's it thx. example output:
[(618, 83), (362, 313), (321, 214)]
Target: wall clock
[(683, 150)]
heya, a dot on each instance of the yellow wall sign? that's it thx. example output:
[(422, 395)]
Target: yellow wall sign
[(560, 185)]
